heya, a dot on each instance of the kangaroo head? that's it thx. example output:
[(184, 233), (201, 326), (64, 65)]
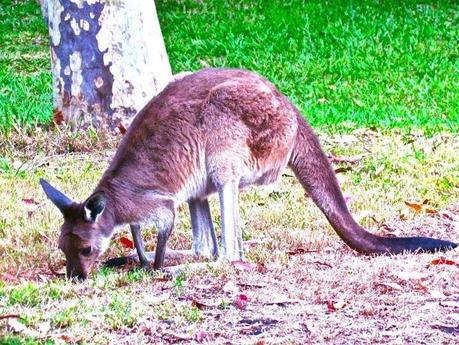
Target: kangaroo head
[(86, 230)]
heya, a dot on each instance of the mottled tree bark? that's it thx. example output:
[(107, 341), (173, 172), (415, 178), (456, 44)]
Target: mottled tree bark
[(108, 59)]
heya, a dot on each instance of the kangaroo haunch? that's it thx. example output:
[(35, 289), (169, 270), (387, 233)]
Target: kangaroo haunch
[(217, 130)]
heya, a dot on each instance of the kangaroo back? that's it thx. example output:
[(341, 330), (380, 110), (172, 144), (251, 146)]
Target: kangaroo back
[(316, 175)]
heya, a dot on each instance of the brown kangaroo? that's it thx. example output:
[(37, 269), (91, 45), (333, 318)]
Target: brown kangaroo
[(217, 130)]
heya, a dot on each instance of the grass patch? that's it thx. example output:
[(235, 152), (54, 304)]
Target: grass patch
[(25, 78), (344, 64), (119, 312), (15, 340)]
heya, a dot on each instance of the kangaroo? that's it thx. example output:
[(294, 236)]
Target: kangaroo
[(216, 130)]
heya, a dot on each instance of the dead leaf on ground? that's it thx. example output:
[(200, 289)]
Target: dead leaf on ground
[(414, 206), (389, 286), (421, 207), (431, 211), (201, 305), (443, 261), (30, 201), (241, 301), (200, 336), (336, 305), (342, 170), (243, 265), (122, 129), (126, 242)]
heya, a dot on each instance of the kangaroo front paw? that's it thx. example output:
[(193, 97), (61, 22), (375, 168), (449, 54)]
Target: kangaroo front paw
[(117, 262)]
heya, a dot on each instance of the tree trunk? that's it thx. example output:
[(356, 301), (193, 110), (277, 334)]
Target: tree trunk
[(108, 59)]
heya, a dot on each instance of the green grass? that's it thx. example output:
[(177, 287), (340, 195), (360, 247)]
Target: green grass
[(25, 78), (345, 64)]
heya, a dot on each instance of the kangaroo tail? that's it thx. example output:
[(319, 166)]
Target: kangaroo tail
[(315, 173)]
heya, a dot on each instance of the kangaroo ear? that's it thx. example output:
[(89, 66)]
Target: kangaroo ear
[(94, 207), (59, 199)]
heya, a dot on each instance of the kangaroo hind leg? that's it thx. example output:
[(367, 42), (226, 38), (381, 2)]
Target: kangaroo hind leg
[(231, 229), (204, 239)]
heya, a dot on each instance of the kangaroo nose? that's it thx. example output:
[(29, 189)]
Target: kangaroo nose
[(72, 274)]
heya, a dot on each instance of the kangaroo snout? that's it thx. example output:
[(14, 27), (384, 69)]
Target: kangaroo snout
[(78, 273)]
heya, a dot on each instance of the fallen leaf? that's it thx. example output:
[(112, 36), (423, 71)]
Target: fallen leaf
[(447, 215), (241, 301), (414, 206), (58, 117), (431, 211), (30, 201), (243, 265), (65, 338), (201, 305), (342, 170), (334, 306), (122, 129), (126, 242), (443, 261), (200, 336)]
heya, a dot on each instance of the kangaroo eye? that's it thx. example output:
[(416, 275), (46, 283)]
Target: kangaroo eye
[(85, 251)]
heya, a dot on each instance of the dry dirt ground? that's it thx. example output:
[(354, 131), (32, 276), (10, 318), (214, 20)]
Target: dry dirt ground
[(299, 284)]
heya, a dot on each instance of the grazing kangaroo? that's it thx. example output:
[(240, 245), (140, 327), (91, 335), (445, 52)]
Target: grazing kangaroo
[(217, 130)]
